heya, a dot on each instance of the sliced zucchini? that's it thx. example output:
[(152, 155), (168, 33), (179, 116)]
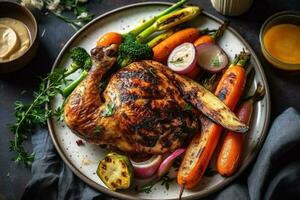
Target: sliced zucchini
[(115, 171)]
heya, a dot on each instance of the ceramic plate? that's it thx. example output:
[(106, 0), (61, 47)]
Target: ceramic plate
[(83, 160)]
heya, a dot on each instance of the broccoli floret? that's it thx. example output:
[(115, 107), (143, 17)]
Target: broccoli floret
[(131, 50), (80, 60)]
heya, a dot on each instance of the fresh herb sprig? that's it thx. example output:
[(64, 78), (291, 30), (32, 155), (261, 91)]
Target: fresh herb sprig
[(57, 7), (30, 115)]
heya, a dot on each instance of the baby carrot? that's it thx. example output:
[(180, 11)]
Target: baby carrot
[(203, 144), (110, 38), (231, 147)]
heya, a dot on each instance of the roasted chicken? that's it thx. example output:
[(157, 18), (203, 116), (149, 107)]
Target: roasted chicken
[(145, 108)]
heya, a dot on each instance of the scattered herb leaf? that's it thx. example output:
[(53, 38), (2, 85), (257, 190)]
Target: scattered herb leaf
[(165, 180), (98, 129), (59, 113), (177, 163), (102, 85), (177, 61), (215, 61), (56, 7), (108, 110), (151, 71), (188, 107)]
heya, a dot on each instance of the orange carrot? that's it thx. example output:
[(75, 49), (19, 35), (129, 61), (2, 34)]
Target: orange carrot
[(212, 37), (204, 39), (203, 144), (231, 147), (162, 51), (110, 38)]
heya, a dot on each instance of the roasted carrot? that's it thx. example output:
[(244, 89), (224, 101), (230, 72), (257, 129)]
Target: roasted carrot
[(110, 38), (162, 51), (231, 147), (212, 37), (203, 144)]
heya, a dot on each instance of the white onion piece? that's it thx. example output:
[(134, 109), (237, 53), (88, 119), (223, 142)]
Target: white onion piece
[(166, 165), (146, 168), (183, 58), (211, 57)]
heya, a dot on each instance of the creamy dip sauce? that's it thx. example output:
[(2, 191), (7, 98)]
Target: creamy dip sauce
[(283, 42), (14, 39)]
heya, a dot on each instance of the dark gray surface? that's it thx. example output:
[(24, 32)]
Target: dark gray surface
[(284, 86)]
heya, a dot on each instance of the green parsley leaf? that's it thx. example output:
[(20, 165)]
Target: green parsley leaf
[(215, 61), (188, 107), (109, 110)]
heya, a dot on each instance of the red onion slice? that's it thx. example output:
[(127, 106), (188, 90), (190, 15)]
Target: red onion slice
[(211, 57), (183, 58), (146, 168), (166, 165)]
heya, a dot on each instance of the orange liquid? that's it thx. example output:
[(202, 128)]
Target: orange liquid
[(283, 42)]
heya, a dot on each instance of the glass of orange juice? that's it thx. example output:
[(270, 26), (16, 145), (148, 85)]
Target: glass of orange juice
[(280, 40)]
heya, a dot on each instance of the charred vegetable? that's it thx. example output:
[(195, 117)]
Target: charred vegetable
[(134, 48), (115, 171), (170, 20), (232, 145), (156, 40), (203, 144)]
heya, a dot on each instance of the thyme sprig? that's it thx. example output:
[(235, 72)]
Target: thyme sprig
[(35, 113)]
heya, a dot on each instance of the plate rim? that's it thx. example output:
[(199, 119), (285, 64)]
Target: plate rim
[(203, 193)]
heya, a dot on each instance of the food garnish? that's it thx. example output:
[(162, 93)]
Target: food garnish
[(30, 115), (56, 7)]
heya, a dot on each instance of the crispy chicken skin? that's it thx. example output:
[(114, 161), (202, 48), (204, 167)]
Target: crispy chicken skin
[(149, 113), (144, 108)]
